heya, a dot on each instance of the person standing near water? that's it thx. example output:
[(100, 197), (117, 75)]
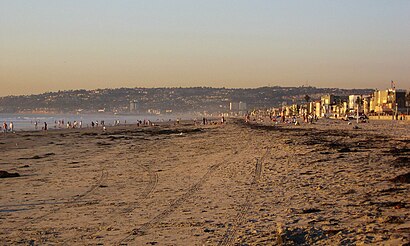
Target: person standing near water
[(45, 126), (4, 127), (11, 126)]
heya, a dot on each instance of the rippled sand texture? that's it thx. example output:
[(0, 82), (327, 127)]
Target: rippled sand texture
[(232, 184)]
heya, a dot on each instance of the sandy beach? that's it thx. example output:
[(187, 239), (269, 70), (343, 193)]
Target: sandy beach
[(234, 184)]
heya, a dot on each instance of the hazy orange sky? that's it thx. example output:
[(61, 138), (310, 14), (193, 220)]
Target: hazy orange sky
[(48, 45)]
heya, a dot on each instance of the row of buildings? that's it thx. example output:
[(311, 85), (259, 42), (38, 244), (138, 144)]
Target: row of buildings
[(379, 102), (387, 102)]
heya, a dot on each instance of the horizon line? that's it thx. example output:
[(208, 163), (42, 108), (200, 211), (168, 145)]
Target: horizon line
[(190, 87)]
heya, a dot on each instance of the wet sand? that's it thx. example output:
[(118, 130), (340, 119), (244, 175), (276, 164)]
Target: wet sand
[(233, 184)]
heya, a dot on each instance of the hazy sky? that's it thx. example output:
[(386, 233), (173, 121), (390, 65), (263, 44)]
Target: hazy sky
[(47, 45)]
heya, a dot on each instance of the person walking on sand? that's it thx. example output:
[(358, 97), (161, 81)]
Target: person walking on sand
[(4, 127), (11, 126), (45, 126)]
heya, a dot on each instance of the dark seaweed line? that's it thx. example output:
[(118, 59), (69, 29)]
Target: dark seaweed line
[(230, 233)]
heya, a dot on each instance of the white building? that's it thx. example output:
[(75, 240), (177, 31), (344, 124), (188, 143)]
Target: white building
[(233, 106), (238, 108), (242, 106), (353, 101), (133, 106)]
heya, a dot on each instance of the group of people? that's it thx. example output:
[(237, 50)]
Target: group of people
[(7, 128), (44, 128), (206, 121), (281, 118), (79, 124), (59, 124), (144, 123)]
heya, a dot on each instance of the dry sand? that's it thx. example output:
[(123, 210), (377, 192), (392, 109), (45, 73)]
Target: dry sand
[(233, 184)]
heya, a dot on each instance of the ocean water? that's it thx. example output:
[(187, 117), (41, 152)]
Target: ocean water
[(27, 121)]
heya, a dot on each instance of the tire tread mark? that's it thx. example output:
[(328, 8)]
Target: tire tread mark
[(173, 206), (103, 177), (153, 181), (230, 233)]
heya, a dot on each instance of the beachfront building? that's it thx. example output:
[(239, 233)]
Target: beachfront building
[(388, 102), (401, 100), (318, 109), (288, 111), (326, 102), (311, 108), (364, 101), (332, 105), (345, 108), (366, 104), (354, 100)]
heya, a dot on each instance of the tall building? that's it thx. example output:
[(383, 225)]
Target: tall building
[(388, 101), (366, 104), (318, 109), (233, 106), (238, 108), (242, 106), (331, 102), (353, 102), (133, 106)]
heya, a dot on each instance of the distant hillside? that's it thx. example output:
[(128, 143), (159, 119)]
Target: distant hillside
[(195, 99)]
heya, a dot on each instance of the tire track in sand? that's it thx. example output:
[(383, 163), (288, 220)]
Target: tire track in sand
[(230, 233), (173, 206), (72, 200), (152, 184), (150, 187), (147, 191), (136, 232), (90, 190)]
